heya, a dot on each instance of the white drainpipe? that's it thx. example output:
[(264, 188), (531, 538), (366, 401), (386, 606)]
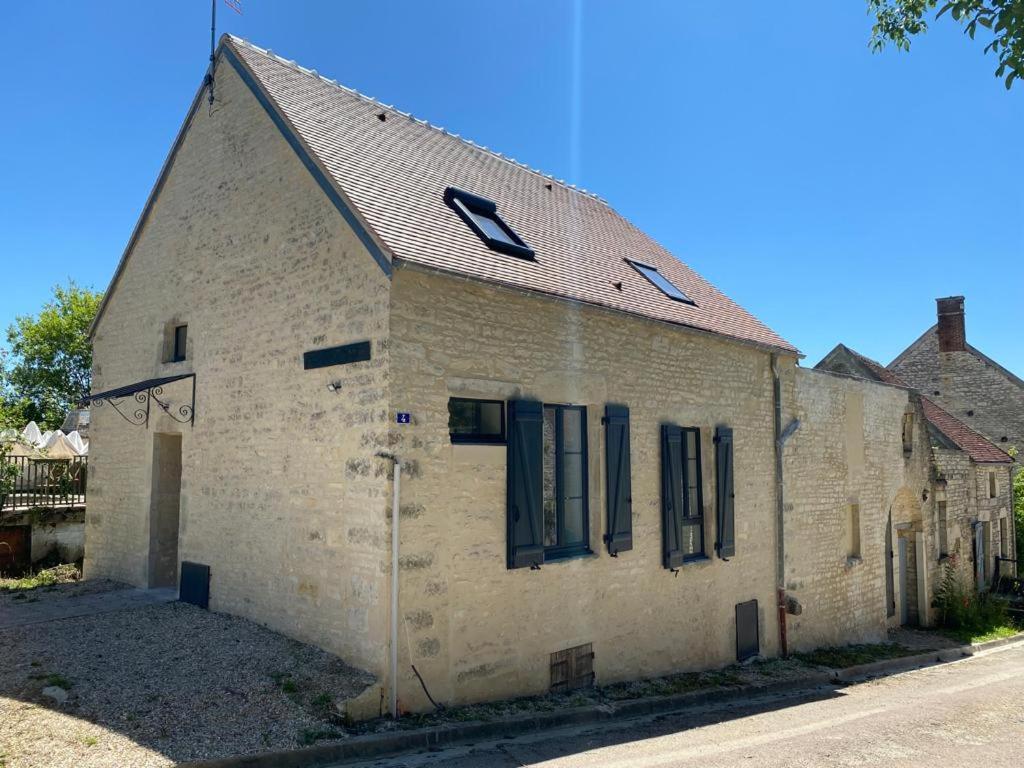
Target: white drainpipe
[(394, 585)]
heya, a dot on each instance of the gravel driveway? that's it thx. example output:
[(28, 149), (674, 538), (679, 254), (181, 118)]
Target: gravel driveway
[(161, 684)]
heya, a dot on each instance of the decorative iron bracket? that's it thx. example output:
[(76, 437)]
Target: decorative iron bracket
[(132, 402)]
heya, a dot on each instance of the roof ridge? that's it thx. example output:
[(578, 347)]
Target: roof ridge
[(292, 64)]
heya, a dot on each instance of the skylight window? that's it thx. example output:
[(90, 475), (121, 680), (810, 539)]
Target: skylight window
[(660, 282), (482, 217)]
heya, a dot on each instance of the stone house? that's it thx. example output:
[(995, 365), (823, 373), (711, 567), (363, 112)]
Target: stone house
[(330, 310), (966, 516), (963, 380)]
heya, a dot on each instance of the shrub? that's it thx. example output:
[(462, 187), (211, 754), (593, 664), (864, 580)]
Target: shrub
[(964, 610)]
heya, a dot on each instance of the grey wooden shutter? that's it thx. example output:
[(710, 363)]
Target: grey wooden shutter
[(725, 517), (619, 537), (525, 478), (671, 495)]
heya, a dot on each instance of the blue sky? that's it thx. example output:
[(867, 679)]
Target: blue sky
[(832, 192)]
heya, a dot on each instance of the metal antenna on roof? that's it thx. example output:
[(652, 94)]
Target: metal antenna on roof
[(213, 47)]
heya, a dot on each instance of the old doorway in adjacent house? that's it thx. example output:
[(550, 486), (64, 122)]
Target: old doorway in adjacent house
[(981, 554), (890, 587), (165, 510), (903, 567)]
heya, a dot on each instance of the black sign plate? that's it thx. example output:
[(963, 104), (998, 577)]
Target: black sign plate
[(347, 353)]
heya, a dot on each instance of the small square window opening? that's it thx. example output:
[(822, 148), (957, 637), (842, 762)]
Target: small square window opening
[(180, 343), (476, 421), (853, 542), (908, 432), (482, 217), (660, 282)]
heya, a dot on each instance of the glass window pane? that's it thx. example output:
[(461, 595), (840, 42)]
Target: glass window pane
[(490, 418), (476, 419), (572, 430), (572, 476), (693, 539), (574, 533), (463, 416), (550, 504), (491, 228), (660, 281)]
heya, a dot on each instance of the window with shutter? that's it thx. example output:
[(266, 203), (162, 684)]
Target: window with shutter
[(682, 496), (525, 484), (565, 497), (619, 537), (725, 542), (671, 495)]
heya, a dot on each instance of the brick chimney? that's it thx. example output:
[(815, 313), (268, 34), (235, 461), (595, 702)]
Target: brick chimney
[(952, 336)]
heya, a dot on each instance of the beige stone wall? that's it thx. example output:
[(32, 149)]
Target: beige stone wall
[(967, 499), (847, 451), (477, 630), (281, 495)]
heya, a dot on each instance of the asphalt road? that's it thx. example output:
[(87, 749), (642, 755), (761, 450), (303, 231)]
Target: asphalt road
[(969, 713)]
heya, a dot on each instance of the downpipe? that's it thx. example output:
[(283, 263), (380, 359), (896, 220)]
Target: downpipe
[(393, 637), (781, 436)]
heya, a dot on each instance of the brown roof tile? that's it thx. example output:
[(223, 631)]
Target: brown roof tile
[(395, 172), (977, 446)]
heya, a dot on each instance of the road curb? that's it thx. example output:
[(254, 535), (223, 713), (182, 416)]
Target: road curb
[(396, 742), (906, 663), (381, 744)]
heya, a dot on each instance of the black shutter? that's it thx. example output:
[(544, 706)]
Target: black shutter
[(725, 542), (671, 495), (525, 479), (619, 537)]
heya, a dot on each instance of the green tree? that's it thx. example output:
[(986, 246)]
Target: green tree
[(49, 363), (1002, 21), (1018, 517)]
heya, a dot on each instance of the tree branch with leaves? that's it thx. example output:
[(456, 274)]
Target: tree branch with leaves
[(897, 21), (49, 363)]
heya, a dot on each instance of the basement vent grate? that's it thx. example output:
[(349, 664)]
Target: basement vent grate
[(572, 668)]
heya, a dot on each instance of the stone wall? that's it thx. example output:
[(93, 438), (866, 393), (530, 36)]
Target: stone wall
[(847, 451), (977, 393), (477, 630), (281, 494)]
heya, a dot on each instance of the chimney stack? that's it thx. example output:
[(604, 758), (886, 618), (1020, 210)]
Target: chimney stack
[(952, 336)]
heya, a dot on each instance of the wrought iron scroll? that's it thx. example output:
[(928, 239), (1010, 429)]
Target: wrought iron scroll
[(124, 405), (135, 407)]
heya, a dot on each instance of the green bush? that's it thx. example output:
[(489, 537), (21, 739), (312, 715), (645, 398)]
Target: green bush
[(965, 611)]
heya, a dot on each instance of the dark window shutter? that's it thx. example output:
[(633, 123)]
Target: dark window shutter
[(619, 537), (671, 495), (725, 542), (525, 479)]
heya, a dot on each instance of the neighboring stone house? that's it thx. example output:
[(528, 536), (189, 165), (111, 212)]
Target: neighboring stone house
[(321, 289), (962, 380), (966, 517)]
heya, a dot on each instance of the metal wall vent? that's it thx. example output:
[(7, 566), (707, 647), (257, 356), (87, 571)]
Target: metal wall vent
[(748, 642), (195, 584)]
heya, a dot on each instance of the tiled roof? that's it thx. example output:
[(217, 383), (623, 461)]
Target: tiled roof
[(395, 172), (977, 446)]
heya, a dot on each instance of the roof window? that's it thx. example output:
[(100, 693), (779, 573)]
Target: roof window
[(482, 217), (660, 282)]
